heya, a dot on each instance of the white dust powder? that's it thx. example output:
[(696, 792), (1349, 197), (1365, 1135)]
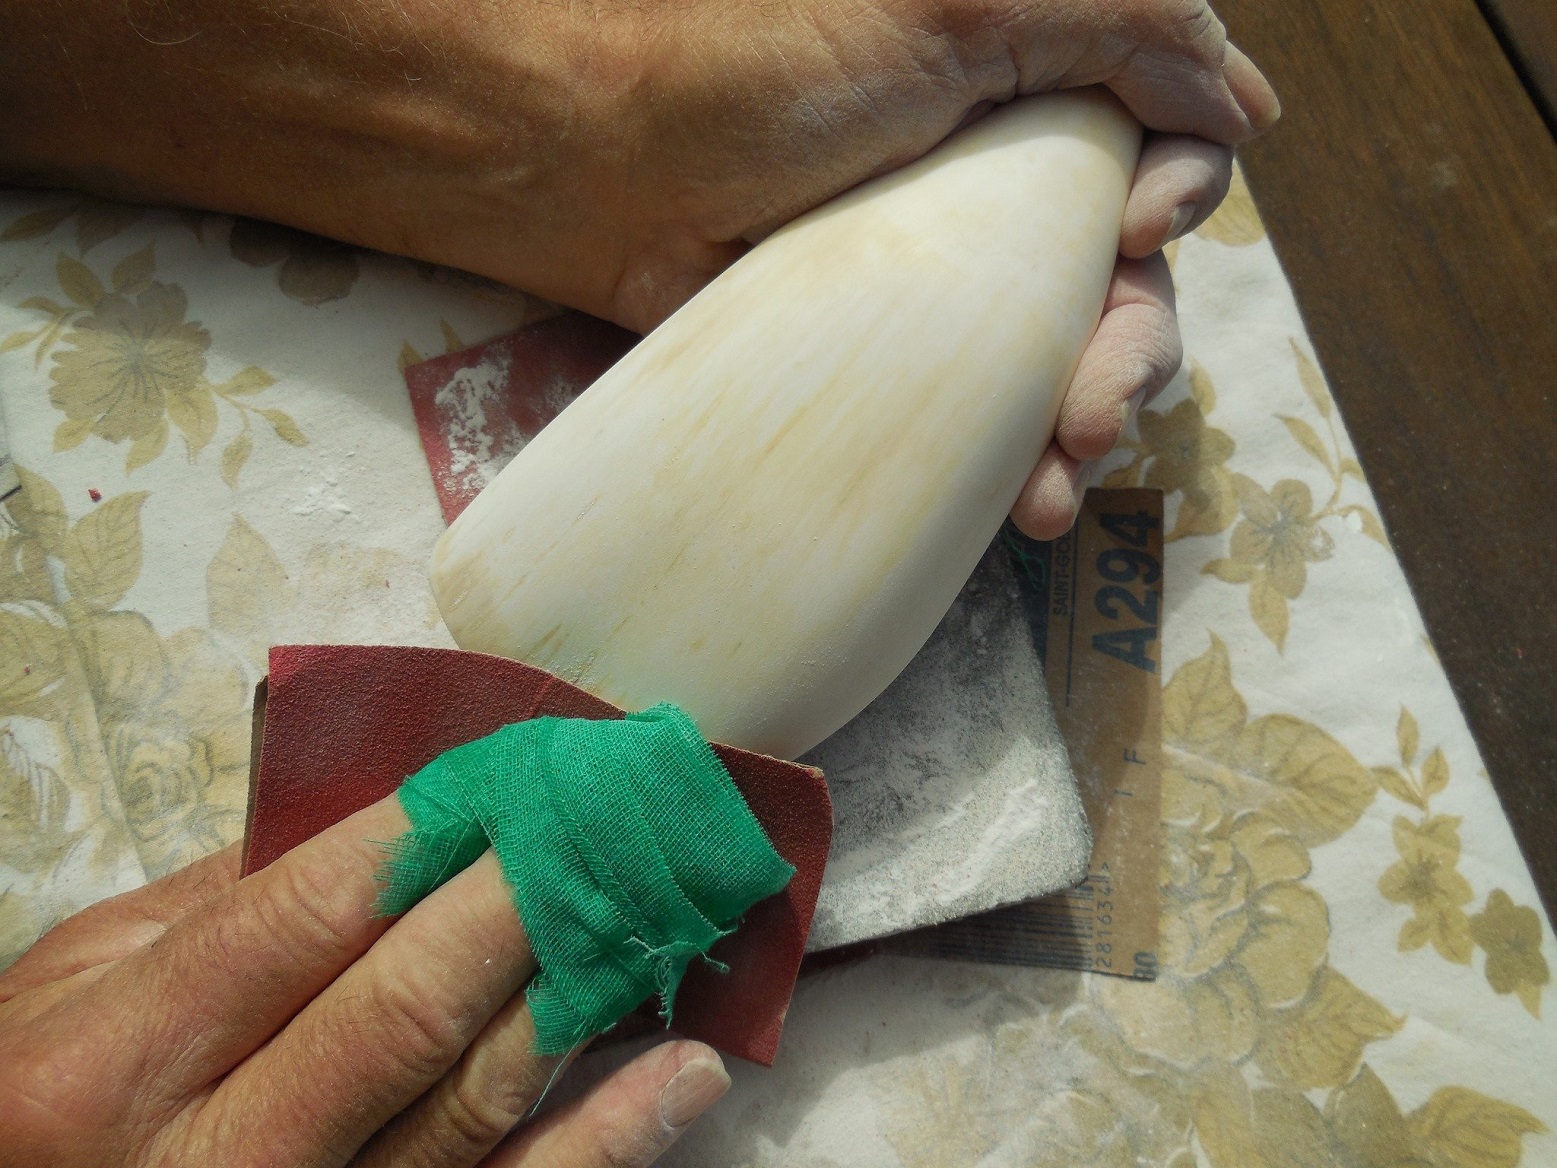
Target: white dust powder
[(952, 792), (479, 446), (481, 435)]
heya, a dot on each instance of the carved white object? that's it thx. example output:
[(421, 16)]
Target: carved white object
[(762, 512)]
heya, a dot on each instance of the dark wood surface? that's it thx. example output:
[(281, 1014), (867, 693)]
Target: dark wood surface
[(1528, 32), (1411, 193)]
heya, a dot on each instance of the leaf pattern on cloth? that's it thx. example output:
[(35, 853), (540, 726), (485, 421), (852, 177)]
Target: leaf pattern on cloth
[(1427, 879), (409, 355), (255, 603), (119, 744), (1277, 532), (313, 270), (97, 220), (937, 1117), (1250, 1049), (171, 713), (128, 367)]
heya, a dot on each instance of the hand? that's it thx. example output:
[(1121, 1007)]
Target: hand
[(615, 155), (205, 1019)]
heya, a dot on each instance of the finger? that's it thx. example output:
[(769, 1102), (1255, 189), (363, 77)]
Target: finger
[(1186, 78), (628, 1119), (384, 1032), (1253, 92), (178, 1012), (1169, 61), (655, 285), (1135, 351), (110, 929), (476, 1104), (1179, 181), (1048, 504), (196, 1001)]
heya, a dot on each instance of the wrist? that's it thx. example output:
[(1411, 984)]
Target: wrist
[(398, 126)]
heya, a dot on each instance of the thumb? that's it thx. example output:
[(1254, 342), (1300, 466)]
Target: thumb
[(628, 1119), (1171, 89)]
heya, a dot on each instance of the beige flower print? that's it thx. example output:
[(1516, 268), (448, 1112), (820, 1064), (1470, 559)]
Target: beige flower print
[(1270, 549), (1426, 878), (1178, 453), (115, 741), (176, 719), (1511, 936), (313, 270), (1249, 1050), (129, 362), (130, 367), (1281, 531)]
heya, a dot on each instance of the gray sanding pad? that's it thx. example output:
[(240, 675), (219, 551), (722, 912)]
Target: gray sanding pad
[(952, 792)]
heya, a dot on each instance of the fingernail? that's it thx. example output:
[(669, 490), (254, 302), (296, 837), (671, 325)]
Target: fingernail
[(1130, 407), (1181, 218), (1083, 477), (1266, 112), (692, 1090), (1259, 104)]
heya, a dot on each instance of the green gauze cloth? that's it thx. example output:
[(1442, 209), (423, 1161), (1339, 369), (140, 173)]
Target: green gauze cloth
[(627, 846)]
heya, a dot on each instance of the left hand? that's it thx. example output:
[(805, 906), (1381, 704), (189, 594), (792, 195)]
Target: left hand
[(615, 155)]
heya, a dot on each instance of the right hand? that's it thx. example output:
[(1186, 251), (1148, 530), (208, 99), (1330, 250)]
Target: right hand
[(205, 1019)]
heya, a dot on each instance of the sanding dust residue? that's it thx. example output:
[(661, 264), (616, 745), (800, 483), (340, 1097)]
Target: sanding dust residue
[(482, 437), (952, 792)]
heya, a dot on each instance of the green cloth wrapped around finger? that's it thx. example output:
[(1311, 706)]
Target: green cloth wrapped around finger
[(628, 848)]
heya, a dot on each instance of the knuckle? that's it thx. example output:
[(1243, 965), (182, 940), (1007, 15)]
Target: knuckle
[(965, 16), (1170, 359), (1186, 27), (623, 1146), (295, 912), (477, 1116), (418, 1037), (1155, 350), (1193, 170), (206, 878), (1219, 181)]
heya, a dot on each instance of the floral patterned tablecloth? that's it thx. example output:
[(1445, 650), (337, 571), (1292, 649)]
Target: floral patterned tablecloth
[(217, 454)]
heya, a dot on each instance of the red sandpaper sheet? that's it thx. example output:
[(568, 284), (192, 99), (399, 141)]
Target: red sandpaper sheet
[(343, 725), (475, 409)]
